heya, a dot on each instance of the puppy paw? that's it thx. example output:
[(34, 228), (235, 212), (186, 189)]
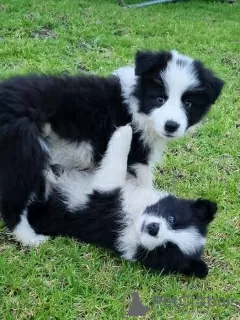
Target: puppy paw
[(124, 132), (25, 234), (37, 240), (121, 140), (197, 268), (33, 241)]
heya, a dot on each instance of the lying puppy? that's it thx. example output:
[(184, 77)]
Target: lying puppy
[(68, 121), (161, 231)]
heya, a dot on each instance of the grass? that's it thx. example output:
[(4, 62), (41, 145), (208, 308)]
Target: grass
[(67, 280)]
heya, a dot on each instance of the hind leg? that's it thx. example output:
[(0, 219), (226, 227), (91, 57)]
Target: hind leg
[(23, 159), (23, 231), (25, 234), (113, 168)]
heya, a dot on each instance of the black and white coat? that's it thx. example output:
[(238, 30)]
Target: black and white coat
[(105, 208), (67, 121)]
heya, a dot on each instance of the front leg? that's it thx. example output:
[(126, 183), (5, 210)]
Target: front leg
[(139, 168), (113, 168)]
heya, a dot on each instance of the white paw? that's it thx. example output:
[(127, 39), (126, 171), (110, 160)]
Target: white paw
[(25, 234), (36, 241), (33, 241), (124, 132), (121, 139)]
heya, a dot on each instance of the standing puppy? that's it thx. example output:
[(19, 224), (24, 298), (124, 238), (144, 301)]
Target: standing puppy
[(68, 120)]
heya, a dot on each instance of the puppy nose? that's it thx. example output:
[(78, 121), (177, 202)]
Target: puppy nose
[(153, 228), (171, 126)]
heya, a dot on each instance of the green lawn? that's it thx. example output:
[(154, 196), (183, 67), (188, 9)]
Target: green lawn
[(67, 280)]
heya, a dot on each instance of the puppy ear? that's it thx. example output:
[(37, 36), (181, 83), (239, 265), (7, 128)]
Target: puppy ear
[(147, 61), (215, 88), (205, 209), (213, 84)]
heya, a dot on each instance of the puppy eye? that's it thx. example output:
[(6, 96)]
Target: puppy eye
[(171, 220), (161, 100), (187, 104)]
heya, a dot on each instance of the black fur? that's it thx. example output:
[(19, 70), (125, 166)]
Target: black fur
[(97, 223), (149, 62)]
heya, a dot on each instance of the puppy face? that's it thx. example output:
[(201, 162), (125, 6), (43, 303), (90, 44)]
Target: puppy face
[(180, 222), (175, 91)]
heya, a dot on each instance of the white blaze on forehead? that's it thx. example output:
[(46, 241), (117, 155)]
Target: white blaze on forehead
[(180, 75)]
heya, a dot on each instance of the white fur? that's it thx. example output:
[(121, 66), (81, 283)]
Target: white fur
[(144, 175), (70, 154), (188, 240), (25, 234), (75, 185), (113, 168), (135, 201), (43, 145), (128, 80), (47, 129), (50, 181)]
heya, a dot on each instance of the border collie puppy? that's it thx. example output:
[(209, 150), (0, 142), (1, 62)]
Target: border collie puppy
[(102, 207), (68, 120)]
